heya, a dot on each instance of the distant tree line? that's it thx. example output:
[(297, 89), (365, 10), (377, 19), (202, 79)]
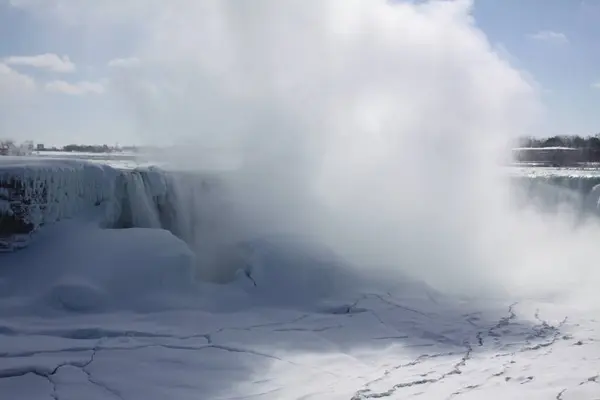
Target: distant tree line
[(96, 148), (88, 148), (589, 146), (11, 147), (572, 141)]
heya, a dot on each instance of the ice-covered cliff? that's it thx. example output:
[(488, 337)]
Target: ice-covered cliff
[(38, 191), (35, 192), (554, 187)]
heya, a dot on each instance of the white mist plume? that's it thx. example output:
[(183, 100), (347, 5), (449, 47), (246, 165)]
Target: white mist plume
[(370, 125), (376, 127)]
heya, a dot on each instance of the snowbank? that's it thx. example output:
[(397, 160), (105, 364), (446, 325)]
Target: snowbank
[(151, 263)]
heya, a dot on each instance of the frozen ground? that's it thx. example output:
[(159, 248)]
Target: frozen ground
[(87, 313), (140, 328)]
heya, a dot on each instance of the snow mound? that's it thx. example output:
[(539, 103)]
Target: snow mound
[(286, 270), (77, 295), (145, 269)]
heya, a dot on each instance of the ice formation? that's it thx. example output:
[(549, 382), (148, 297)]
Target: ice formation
[(550, 188), (36, 192)]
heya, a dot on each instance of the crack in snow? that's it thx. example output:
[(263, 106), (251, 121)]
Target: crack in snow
[(95, 382), (265, 325), (316, 330), (420, 359), (17, 372), (49, 374), (101, 335), (504, 369), (84, 366), (527, 380), (463, 361), (479, 337), (402, 334), (255, 395), (396, 305), (473, 317), (392, 338), (81, 365), (504, 321), (366, 393), (540, 333), (542, 330), (363, 394), (491, 332), (464, 390), (592, 379)]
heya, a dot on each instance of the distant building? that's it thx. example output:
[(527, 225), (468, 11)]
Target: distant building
[(40, 147), (550, 156)]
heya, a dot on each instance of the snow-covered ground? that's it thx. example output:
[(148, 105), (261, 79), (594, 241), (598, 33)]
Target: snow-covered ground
[(117, 314), (120, 314), (370, 129)]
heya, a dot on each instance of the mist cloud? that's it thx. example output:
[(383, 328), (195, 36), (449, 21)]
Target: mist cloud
[(375, 127)]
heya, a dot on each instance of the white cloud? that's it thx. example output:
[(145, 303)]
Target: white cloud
[(12, 81), (17, 94), (47, 61), (14, 85), (596, 85), (76, 89), (84, 12), (130, 62), (550, 37)]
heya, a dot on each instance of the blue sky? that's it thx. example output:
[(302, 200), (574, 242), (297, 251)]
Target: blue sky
[(554, 41), (564, 59)]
